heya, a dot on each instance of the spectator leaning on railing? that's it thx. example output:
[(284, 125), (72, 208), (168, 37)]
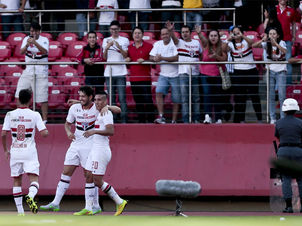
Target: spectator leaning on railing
[(140, 76), (213, 50), (165, 51), (115, 48)]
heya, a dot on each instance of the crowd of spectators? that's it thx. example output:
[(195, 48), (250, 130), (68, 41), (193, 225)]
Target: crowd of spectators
[(206, 80)]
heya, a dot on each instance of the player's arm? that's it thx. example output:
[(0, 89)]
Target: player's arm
[(44, 133), (4, 144), (113, 109), (71, 102), (108, 131), (69, 134)]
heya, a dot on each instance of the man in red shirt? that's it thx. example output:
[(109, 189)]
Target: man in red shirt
[(140, 76), (287, 17)]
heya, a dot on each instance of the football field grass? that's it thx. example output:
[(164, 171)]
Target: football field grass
[(44, 219)]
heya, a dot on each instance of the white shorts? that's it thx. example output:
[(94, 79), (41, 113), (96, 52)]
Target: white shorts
[(98, 160), (77, 153), (27, 82), (19, 167)]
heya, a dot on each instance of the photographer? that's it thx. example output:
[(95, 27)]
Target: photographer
[(35, 48), (275, 51)]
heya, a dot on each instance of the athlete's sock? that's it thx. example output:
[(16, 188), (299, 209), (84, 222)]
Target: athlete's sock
[(109, 190), (33, 189), (62, 187), (89, 195), (17, 193), (96, 203)]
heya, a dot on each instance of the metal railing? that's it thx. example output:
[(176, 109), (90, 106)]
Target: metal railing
[(159, 63)]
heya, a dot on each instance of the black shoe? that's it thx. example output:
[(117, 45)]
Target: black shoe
[(288, 210)]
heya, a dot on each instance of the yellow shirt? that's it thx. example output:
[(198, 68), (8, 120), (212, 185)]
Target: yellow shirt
[(192, 4)]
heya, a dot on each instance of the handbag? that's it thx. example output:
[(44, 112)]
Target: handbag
[(226, 79)]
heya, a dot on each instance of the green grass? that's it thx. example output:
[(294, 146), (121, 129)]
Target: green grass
[(70, 220)]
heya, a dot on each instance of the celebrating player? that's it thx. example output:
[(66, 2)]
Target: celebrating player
[(23, 153), (100, 154), (84, 115)]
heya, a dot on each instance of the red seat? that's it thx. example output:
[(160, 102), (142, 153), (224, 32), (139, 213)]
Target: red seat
[(253, 35), (52, 83), (224, 34), (124, 34), (67, 38), (177, 34), (15, 39), (72, 85), (295, 91), (74, 49), (5, 50), (152, 41), (17, 54), (260, 29), (258, 54), (148, 36), (5, 97), (55, 50), (56, 98), (194, 35), (65, 74), (5, 69), (55, 69), (47, 35)]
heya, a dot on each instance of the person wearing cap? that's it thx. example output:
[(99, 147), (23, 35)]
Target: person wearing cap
[(288, 130)]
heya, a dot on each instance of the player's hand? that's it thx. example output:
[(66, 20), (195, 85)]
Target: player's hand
[(109, 44), (170, 25), (104, 110), (71, 136), (88, 133), (7, 155)]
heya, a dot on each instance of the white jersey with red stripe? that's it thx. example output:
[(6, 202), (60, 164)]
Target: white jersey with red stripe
[(84, 120), (100, 124), (22, 123), (188, 51)]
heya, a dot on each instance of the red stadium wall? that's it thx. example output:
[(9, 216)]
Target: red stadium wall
[(227, 160)]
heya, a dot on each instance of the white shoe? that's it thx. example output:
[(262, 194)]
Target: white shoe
[(273, 121), (207, 119), (219, 121)]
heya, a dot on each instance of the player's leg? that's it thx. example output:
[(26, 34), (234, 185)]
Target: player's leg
[(92, 191), (17, 193), (32, 191)]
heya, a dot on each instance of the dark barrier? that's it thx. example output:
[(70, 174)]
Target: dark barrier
[(227, 160)]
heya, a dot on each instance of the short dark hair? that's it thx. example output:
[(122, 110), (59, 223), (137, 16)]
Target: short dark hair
[(115, 23), (186, 26), (101, 93), (87, 90), (25, 96), (92, 32), (292, 112), (139, 28), (36, 26)]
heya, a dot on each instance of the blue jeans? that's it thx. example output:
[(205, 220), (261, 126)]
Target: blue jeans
[(289, 66), (143, 18), (193, 18), (119, 87), (276, 79), (6, 24), (184, 91), (81, 19)]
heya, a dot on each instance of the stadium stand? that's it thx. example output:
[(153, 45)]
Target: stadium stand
[(47, 35), (5, 50), (55, 51), (15, 39), (67, 38), (74, 49)]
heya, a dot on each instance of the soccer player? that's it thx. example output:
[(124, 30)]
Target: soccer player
[(23, 153), (100, 154), (83, 114)]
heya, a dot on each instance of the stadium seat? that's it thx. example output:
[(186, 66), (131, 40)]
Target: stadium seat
[(52, 83), (74, 49), (177, 34), (5, 97), (124, 34), (224, 34), (5, 50), (260, 29), (47, 35), (253, 35), (152, 41), (72, 85), (5, 69), (194, 35), (67, 38), (55, 50), (17, 54), (258, 54), (55, 69), (295, 91), (65, 74), (15, 39), (148, 36), (56, 98)]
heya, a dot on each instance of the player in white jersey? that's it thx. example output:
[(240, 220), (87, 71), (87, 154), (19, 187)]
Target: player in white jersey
[(100, 154), (83, 114), (23, 153)]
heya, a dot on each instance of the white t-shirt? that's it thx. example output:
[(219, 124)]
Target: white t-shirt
[(188, 51), (33, 54), (100, 124), (84, 120), (176, 3), (141, 4), (243, 53), (275, 57), (22, 123), (114, 55), (168, 70), (10, 5), (106, 17)]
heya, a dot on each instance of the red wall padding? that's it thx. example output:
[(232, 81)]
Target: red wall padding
[(227, 160)]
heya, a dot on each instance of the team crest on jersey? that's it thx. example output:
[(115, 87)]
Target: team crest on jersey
[(288, 13), (85, 125), (191, 53)]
